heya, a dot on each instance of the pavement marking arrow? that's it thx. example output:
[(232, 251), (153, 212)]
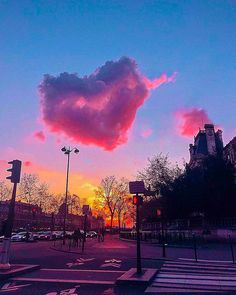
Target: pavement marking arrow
[(113, 261), (12, 287), (116, 265), (65, 292), (85, 259)]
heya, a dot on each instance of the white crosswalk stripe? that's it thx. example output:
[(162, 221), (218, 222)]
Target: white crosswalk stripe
[(194, 277)]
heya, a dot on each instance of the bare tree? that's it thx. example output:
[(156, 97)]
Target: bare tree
[(107, 196), (5, 192), (74, 204), (123, 197), (42, 197), (28, 188), (159, 172), (55, 201)]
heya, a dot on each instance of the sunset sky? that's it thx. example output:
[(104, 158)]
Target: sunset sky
[(124, 80)]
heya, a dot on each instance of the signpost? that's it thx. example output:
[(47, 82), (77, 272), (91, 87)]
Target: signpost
[(137, 187), (160, 214)]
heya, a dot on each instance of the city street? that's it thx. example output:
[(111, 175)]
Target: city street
[(95, 271)]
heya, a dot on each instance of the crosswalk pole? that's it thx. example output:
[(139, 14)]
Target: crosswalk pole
[(231, 248), (195, 247)]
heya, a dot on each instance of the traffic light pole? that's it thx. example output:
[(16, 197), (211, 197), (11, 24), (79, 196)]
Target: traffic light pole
[(5, 253), (163, 236), (139, 268)]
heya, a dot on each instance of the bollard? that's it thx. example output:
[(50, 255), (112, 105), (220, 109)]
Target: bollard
[(231, 248), (195, 247), (69, 244)]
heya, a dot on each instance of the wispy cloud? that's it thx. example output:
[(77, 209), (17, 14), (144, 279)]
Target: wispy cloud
[(190, 120), (39, 135)]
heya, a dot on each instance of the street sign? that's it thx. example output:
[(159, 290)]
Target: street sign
[(136, 187)]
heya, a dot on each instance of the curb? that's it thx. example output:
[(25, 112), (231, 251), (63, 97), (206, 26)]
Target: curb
[(157, 244), (65, 251), (22, 269)]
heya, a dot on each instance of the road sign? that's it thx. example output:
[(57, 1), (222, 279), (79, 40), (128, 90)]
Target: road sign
[(136, 187)]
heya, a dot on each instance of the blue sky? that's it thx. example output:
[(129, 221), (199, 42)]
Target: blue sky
[(196, 39)]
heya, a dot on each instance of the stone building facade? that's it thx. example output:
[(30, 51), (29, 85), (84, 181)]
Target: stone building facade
[(209, 142)]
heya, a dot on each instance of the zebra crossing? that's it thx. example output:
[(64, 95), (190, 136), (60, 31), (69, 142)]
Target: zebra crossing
[(179, 277)]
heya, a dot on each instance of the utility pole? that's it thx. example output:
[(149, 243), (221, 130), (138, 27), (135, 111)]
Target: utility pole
[(15, 178), (67, 152)]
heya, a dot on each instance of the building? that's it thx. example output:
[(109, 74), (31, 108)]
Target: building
[(229, 152), (26, 215), (209, 142), (33, 218), (206, 143)]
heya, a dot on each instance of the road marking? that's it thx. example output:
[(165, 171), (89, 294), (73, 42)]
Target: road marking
[(64, 281), (79, 261), (189, 277), (81, 270), (65, 292), (113, 261), (12, 287), (205, 260), (116, 265)]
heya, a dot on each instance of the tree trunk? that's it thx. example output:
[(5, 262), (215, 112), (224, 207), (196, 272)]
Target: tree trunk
[(111, 224), (119, 219)]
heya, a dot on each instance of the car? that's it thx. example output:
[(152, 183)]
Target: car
[(91, 234), (44, 235), (57, 235), (18, 237)]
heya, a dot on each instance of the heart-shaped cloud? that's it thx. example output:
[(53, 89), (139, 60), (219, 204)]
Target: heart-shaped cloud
[(97, 109)]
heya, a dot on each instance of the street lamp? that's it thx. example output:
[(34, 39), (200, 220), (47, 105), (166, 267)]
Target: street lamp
[(67, 152)]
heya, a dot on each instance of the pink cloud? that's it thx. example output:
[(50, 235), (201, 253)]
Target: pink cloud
[(39, 135), (191, 120), (27, 163), (100, 108), (145, 133)]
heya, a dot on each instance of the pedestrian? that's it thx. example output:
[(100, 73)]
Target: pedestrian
[(99, 235), (103, 234)]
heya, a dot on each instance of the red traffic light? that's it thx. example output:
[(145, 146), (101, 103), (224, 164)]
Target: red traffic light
[(137, 200), (15, 171), (158, 212), (34, 210)]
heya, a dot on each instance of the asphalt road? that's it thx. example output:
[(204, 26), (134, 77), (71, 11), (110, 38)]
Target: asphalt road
[(93, 272)]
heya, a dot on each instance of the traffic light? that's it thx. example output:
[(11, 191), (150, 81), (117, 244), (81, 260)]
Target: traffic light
[(15, 171), (137, 200), (158, 212), (34, 210)]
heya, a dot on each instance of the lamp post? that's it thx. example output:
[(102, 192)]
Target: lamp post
[(67, 152)]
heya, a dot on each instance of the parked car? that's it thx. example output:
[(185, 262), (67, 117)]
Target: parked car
[(20, 237), (57, 235), (44, 235), (91, 234)]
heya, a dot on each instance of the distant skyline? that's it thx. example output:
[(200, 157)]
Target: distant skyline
[(171, 68)]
